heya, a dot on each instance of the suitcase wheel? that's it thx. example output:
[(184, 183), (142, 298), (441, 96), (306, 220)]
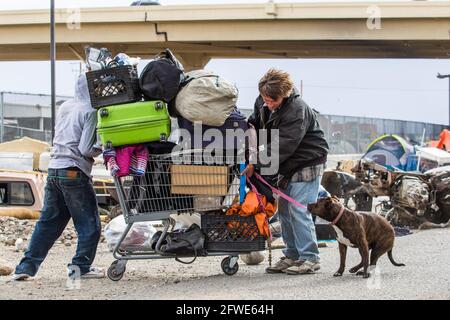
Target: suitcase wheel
[(108, 145), (104, 113), (163, 137), (159, 105)]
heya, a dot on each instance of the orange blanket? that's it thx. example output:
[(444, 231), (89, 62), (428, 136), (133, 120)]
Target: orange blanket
[(251, 207)]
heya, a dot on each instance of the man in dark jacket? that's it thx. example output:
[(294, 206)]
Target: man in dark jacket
[(302, 155)]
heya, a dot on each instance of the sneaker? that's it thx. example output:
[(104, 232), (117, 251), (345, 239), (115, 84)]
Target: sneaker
[(283, 264), (21, 277), (94, 273), (303, 267)]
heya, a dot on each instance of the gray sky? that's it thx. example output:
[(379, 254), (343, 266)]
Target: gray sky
[(397, 89)]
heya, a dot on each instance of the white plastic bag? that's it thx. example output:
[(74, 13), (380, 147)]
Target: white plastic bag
[(139, 236), (233, 191), (184, 221)]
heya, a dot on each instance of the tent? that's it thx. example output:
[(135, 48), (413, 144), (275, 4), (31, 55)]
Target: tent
[(391, 151), (444, 141)]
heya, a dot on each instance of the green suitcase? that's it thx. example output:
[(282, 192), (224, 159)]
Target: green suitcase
[(133, 123)]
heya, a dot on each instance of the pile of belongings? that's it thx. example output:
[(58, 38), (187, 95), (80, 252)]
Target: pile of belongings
[(134, 111), (128, 119), (98, 59)]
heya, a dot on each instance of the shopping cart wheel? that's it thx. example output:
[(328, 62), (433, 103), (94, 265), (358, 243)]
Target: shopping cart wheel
[(227, 268), (116, 271)]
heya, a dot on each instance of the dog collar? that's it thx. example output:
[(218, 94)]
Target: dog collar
[(341, 213)]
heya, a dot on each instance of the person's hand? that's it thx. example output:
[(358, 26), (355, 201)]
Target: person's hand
[(248, 171)]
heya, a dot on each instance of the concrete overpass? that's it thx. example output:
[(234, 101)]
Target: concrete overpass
[(197, 33)]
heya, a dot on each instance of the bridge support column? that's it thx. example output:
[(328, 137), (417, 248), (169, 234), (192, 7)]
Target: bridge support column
[(193, 61)]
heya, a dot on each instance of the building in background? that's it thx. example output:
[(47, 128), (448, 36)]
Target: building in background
[(28, 115)]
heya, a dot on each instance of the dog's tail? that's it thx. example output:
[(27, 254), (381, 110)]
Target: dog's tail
[(393, 261)]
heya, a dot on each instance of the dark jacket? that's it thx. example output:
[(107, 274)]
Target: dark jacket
[(301, 140)]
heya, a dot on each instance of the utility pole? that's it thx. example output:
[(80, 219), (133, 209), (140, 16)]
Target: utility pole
[(443, 76), (52, 62)]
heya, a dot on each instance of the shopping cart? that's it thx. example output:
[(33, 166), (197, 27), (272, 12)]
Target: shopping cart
[(186, 183)]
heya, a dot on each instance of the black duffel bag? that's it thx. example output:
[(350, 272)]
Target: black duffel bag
[(162, 77), (188, 242)]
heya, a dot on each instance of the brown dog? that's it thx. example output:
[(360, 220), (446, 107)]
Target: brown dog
[(363, 230)]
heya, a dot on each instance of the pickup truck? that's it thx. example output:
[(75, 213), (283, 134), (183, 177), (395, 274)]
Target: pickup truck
[(22, 193)]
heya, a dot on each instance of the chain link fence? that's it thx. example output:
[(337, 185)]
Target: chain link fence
[(13, 133), (26, 114), (352, 135)]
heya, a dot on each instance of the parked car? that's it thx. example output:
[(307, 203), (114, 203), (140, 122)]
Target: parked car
[(22, 193)]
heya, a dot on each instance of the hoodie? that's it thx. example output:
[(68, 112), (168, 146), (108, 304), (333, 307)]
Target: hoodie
[(75, 142)]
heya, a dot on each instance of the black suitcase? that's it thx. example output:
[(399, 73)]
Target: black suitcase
[(236, 120)]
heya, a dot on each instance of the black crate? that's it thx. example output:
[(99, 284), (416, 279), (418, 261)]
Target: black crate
[(231, 233), (113, 86)]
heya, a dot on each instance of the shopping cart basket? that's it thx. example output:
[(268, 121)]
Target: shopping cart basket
[(186, 183)]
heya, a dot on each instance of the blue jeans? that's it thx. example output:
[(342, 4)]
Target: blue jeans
[(297, 225), (322, 194), (65, 198)]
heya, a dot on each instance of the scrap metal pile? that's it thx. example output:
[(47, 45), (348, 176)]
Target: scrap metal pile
[(415, 199)]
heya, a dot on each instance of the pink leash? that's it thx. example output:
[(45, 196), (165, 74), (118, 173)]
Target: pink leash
[(278, 192), (260, 203), (258, 196)]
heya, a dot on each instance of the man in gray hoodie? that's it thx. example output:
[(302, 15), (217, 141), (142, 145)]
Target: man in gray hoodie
[(69, 192)]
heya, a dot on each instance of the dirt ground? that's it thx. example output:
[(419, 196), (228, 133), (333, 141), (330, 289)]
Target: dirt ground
[(426, 276)]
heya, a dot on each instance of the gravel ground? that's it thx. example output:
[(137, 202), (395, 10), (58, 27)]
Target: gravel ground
[(426, 276)]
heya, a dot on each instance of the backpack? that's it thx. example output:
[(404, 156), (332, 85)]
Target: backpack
[(162, 77), (206, 97)]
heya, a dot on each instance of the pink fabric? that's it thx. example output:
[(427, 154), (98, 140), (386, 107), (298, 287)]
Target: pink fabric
[(128, 160), (278, 192), (123, 159)]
